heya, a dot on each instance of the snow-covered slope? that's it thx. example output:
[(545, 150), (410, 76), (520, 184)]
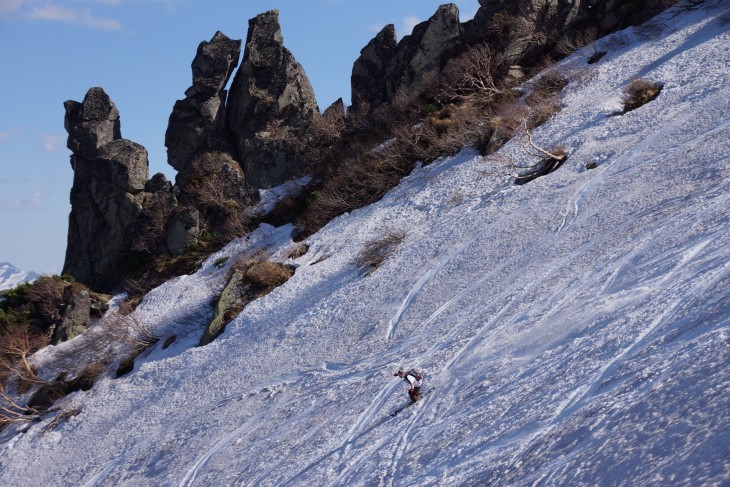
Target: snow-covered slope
[(573, 331), (11, 276)]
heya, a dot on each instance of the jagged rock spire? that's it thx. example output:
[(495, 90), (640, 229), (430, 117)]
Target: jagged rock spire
[(197, 123), (109, 176), (372, 66), (271, 100)]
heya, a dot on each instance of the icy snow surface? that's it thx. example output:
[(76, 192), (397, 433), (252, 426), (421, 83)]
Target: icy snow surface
[(572, 331)]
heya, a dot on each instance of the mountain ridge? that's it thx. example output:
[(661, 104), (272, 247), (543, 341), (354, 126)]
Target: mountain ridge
[(11, 276)]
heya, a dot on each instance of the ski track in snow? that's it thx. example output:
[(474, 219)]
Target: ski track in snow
[(564, 326)]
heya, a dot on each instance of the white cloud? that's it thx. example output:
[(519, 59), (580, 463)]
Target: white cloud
[(6, 135), (35, 201), (10, 6), (70, 15), (409, 23), (53, 143)]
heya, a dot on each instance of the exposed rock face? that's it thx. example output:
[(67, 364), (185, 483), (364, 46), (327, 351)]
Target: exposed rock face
[(372, 65), (183, 230), (91, 124), (337, 109), (216, 186), (521, 31), (423, 51), (526, 29), (384, 68), (76, 316), (197, 123), (271, 101), (109, 176)]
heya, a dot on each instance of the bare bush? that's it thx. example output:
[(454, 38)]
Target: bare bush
[(567, 44), (324, 131), (17, 344), (11, 411), (528, 145), (640, 92), (471, 74), (46, 294), (375, 252), (268, 274)]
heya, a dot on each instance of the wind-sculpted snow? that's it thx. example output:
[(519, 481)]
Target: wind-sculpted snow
[(572, 331)]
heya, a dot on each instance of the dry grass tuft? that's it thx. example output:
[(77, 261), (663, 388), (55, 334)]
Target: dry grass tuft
[(266, 274), (375, 252), (640, 92)]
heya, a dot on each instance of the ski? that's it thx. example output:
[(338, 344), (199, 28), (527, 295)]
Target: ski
[(403, 408)]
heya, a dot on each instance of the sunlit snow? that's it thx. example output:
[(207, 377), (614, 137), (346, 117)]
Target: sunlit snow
[(572, 331)]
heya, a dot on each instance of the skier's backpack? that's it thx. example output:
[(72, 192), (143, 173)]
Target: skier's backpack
[(415, 374)]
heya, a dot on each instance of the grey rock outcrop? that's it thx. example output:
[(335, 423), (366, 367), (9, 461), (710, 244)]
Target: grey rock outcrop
[(337, 109), (109, 176), (76, 316), (424, 51), (183, 230), (384, 68), (92, 123), (270, 103), (373, 64), (197, 123), (522, 32)]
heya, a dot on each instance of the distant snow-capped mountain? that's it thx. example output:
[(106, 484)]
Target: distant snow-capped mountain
[(11, 276)]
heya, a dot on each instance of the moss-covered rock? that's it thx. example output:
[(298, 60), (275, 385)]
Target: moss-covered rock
[(229, 297)]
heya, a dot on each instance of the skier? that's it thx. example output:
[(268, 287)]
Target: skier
[(415, 381)]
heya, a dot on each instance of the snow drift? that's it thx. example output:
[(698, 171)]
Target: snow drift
[(572, 331)]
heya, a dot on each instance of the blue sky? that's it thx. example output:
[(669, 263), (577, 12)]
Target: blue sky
[(140, 52)]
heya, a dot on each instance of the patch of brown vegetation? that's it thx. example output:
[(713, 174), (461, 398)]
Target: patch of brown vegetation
[(640, 92)]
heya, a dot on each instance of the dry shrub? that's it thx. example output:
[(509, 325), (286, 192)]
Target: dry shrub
[(567, 44), (471, 74), (375, 252), (130, 332), (17, 344), (299, 251), (324, 131), (62, 416), (361, 181), (268, 274), (640, 92), (46, 293)]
